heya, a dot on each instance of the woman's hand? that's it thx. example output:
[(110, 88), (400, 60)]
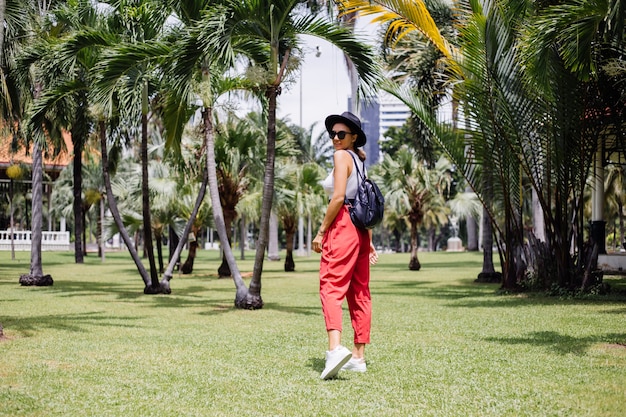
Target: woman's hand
[(317, 243), (373, 254)]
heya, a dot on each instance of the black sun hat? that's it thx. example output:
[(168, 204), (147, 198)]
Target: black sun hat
[(351, 121)]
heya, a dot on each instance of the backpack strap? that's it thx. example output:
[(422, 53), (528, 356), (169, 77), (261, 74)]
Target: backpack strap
[(359, 174), (358, 171)]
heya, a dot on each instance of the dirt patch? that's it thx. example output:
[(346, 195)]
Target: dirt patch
[(615, 345), (2, 336)]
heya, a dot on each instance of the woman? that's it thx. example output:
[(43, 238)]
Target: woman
[(346, 250)]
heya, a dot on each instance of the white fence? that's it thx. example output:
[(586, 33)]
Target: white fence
[(22, 240)]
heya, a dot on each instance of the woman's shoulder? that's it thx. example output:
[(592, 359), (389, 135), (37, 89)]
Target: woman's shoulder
[(343, 160), (344, 154)]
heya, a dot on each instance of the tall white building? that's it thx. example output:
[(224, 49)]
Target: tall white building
[(391, 113), (387, 111), (378, 115)]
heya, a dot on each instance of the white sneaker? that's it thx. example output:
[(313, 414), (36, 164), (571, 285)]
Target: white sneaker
[(356, 365), (335, 359)]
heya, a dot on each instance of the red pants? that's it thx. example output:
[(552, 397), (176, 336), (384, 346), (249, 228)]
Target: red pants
[(345, 273)]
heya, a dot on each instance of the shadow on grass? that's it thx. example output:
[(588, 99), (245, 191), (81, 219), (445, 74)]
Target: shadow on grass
[(306, 311), (484, 295), (188, 296), (185, 297), (562, 344), (452, 264), (76, 323), (128, 291), (318, 364), (425, 289)]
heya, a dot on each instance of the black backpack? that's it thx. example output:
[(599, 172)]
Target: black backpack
[(368, 206)]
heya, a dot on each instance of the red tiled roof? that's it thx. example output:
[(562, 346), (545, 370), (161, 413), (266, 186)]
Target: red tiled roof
[(7, 158)]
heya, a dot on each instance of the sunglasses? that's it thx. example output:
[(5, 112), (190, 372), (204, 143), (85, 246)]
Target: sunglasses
[(341, 134)]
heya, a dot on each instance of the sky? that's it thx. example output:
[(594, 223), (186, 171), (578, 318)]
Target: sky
[(323, 87), (325, 84)]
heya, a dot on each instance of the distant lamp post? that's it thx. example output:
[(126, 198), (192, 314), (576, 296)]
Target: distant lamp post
[(301, 251), (318, 53)]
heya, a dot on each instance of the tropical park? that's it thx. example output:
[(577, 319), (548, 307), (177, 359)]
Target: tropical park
[(155, 238)]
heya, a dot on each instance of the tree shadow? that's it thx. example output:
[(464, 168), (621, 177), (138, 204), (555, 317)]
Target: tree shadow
[(619, 311), (561, 344), (306, 311), (184, 297), (71, 288), (452, 264), (75, 323), (425, 289)]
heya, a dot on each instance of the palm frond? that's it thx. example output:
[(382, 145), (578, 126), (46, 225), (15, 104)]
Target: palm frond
[(402, 16)]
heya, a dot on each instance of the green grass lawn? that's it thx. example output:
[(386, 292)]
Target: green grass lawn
[(94, 345)]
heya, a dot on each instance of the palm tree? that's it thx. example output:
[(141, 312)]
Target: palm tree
[(139, 21), (505, 93), (65, 64), (285, 205), (313, 148), (276, 25), (72, 61), (576, 44), (438, 216), (298, 192), (614, 184), (197, 62), (414, 60), (316, 149), (62, 197), (266, 34), (166, 185), (412, 192), (31, 84), (237, 161), (185, 204)]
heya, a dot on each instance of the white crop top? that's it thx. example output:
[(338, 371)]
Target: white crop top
[(329, 182)]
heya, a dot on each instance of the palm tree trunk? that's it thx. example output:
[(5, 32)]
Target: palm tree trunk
[(145, 191), (101, 244), (414, 263), (309, 237), (79, 224), (349, 21), (223, 270), (83, 235), (620, 208), (243, 298), (290, 234), (512, 252), (272, 242), (36, 276), (158, 236), (268, 195), (539, 228), (471, 225), (116, 213), (175, 256), (488, 273), (187, 267), (301, 251)]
